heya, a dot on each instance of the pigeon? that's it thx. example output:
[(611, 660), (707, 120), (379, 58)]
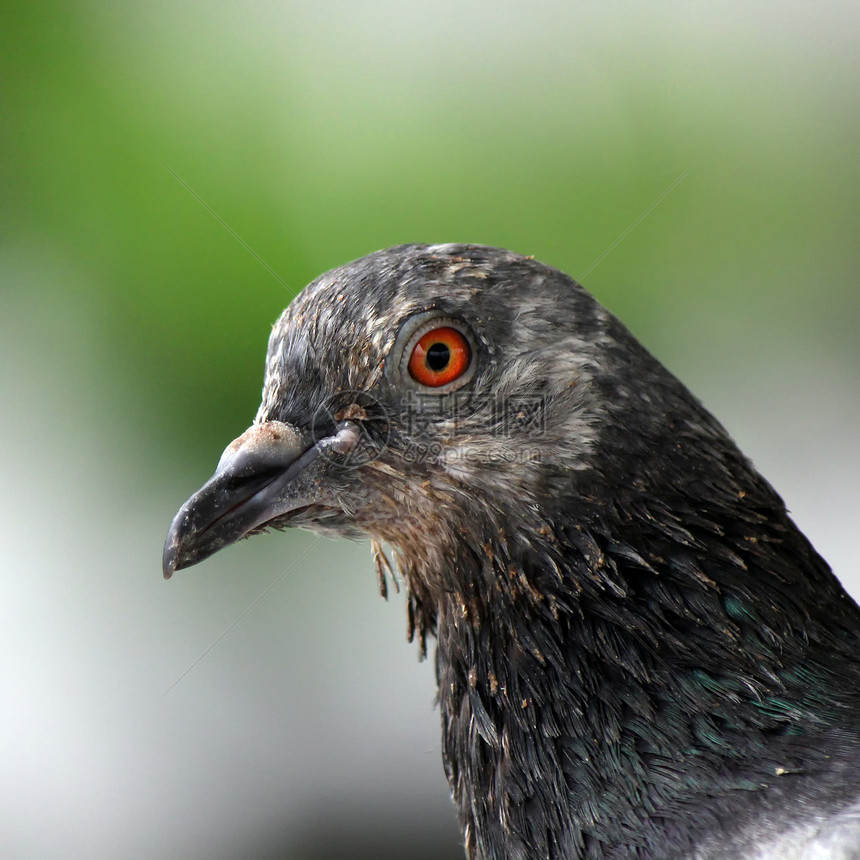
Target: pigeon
[(638, 653)]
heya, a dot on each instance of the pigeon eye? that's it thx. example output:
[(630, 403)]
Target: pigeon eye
[(433, 353), (440, 356)]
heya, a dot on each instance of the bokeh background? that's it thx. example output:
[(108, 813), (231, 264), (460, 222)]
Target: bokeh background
[(696, 163)]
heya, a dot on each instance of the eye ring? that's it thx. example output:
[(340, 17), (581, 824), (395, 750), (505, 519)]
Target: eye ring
[(438, 353)]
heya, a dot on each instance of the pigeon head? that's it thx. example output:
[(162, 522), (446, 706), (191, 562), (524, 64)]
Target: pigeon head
[(403, 387), (422, 387)]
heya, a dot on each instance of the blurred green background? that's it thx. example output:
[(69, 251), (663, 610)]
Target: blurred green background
[(696, 163)]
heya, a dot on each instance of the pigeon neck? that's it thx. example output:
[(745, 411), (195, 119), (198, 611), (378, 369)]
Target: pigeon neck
[(576, 671)]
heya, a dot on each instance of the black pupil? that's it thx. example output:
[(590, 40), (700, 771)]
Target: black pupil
[(438, 357)]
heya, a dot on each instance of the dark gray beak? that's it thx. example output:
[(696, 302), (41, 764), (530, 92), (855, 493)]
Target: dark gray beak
[(269, 471)]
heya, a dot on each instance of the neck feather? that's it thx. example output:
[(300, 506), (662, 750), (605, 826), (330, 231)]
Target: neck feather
[(593, 676)]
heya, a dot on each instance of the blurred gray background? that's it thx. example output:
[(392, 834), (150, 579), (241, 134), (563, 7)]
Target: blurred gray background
[(696, 162)]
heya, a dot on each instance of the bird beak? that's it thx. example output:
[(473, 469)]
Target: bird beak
[(265, 473)]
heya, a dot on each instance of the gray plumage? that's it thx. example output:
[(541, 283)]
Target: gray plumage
[(639, 655)]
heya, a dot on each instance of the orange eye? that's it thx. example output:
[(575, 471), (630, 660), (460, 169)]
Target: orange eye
[(440, 356)]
